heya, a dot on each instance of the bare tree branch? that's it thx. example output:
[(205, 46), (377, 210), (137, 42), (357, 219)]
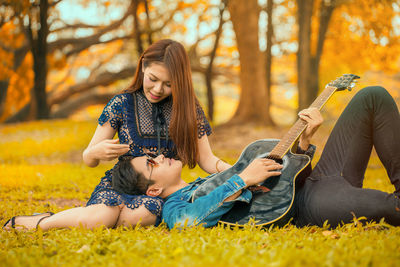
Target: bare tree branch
[(194, 57), (4, 20), (85, 42), (165, 22), (62, 81), (69, 107), (85, 45), (103, 79), (74, 26), (80, 44), (55, 3)]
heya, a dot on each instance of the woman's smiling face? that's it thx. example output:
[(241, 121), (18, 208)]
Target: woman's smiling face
[(156, 82)]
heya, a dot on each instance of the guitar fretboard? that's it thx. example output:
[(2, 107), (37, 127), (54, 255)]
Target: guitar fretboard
[(297, 129)]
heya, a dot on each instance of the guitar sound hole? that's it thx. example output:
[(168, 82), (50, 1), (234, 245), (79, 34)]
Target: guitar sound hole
[(273, 181), (279, 161)]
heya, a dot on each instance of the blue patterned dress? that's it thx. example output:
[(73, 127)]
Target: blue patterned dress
[(132, 115)]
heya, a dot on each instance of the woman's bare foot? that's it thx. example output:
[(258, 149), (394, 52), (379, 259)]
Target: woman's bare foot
[(25, 222)]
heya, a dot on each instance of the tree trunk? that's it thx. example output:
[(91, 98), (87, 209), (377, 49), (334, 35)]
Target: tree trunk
[(148, 22), (38, 41), (326, 10), (19, 56), (254, 102), (3, 94), (304, 10), (208, 73), (268, 53), (136, 27), (307, 62), (21, 115)]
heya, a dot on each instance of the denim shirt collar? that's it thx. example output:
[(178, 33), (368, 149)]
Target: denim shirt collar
[(187, 188)]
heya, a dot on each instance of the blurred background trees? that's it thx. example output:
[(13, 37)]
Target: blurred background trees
[(253, 61)]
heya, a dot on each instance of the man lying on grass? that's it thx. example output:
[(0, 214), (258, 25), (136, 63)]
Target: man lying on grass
[(331, 193), (164, 178)]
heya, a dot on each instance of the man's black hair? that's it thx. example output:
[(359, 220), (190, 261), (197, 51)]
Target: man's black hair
[(125, 179)]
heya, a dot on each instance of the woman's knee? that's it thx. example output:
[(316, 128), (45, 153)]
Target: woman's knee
[(132, 217)]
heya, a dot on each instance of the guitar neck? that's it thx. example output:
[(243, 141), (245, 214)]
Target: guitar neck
[(297, 129)]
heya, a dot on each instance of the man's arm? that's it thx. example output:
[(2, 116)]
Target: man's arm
[(314, 119), (309, 152), (209, 209)]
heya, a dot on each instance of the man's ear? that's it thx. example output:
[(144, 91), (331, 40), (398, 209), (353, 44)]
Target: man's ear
[(154, 191)]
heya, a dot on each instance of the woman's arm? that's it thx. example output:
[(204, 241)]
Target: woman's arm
[(207, 160), (103, 147)]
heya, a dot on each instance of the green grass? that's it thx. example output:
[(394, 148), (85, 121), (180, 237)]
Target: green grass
[(41, 169)]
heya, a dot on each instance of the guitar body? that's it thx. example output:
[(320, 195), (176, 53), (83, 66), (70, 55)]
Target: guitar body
[(271, 205)]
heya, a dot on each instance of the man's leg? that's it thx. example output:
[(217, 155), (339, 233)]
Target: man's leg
[(334, 200), (333, 192), (370, 119)]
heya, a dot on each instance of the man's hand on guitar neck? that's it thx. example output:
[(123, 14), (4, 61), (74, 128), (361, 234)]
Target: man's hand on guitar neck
[(259, 170), (314, 119)]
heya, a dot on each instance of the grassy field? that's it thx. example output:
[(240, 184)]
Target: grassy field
[(41, 170)]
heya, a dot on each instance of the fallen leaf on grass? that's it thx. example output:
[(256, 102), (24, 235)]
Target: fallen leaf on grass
[(83, 249), (330, 234)]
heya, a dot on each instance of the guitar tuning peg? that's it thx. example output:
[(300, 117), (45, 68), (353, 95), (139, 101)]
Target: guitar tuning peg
[(351, 86)]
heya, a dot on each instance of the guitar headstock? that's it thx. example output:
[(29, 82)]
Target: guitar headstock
[(346, 81)]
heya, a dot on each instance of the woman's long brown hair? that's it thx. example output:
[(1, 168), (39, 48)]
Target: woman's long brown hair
[(183, 125)]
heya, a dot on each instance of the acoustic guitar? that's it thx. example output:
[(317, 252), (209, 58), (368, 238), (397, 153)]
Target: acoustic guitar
[(272, 204)]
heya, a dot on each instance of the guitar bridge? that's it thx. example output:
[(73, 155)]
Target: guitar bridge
[(259, 189)]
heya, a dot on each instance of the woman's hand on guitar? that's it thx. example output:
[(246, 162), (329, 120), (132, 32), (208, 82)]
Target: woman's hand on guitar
[(314, 119), (259, 170), (108, 149)]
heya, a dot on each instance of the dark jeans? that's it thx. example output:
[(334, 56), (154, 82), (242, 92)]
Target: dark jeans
[(333, 191)]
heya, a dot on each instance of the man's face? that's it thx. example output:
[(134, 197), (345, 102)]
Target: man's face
[(162, 171)]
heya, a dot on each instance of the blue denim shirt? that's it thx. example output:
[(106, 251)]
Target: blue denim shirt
[(207, 210)]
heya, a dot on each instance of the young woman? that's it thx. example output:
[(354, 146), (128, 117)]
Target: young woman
[(158, 113)]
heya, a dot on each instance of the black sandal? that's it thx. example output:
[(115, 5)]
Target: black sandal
[(12, 223), (41, 219), (12, 220)]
